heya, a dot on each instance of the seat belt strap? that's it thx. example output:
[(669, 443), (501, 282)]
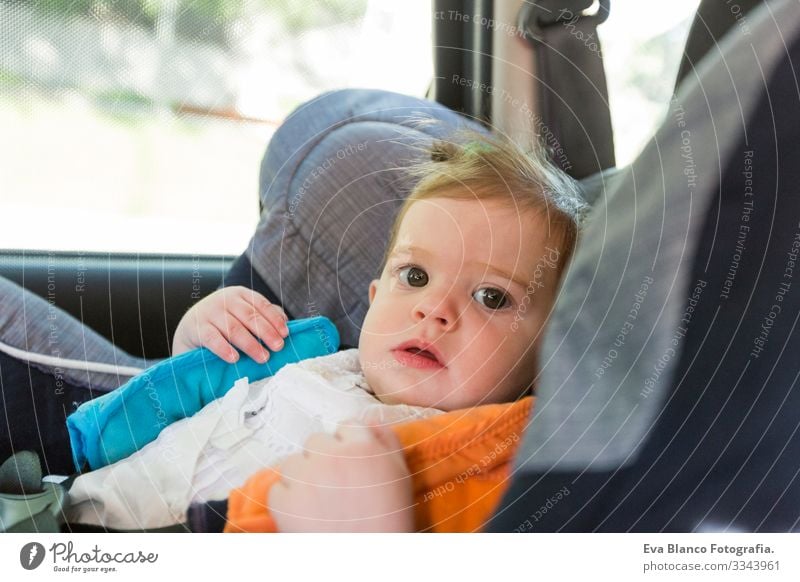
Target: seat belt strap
[(571, 89)]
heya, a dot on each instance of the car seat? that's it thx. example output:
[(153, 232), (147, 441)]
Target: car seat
[(668, 398), (331, 182)]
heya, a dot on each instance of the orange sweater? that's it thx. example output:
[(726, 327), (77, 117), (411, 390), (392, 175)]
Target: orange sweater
[(459, 464)]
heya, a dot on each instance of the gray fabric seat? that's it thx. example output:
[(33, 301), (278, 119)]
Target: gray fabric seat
[(669, 397), (331, 182)]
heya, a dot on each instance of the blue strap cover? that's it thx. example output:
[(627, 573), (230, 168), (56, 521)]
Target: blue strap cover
[(117, 424)]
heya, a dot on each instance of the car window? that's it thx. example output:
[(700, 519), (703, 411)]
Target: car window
[(139, 125), (642, 49)]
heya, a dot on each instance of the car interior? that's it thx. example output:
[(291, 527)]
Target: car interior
[(599, 84), (137, 298)]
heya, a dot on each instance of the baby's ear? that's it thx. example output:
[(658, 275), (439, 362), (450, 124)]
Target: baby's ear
[(373, 289)]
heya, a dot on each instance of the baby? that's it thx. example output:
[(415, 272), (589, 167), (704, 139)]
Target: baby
[(470, 275)]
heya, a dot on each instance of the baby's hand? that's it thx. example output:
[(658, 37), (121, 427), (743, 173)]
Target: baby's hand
[(233, 316), (353, 481)]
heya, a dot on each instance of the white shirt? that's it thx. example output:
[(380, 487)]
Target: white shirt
[(255, 425)]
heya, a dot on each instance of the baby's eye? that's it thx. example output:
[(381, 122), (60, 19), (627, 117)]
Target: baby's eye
[(413, 276), (492, 298)]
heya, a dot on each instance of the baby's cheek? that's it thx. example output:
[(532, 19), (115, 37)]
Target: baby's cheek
[(526, 325)]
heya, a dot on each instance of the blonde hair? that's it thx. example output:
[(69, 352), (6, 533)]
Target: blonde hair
[(475, 166)]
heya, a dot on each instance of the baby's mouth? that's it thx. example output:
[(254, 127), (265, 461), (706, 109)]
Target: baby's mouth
[(417, 356), (423, 353)]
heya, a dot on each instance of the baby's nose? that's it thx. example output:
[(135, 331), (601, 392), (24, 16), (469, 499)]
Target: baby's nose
[(439, 307)]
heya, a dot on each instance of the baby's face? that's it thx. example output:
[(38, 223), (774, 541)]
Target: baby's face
[(471, 283)]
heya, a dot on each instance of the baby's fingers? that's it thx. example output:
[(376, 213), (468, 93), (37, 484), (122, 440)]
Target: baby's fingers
[(212, 338), (265, 321), (242, 337), (386, 436), (272, 313)]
